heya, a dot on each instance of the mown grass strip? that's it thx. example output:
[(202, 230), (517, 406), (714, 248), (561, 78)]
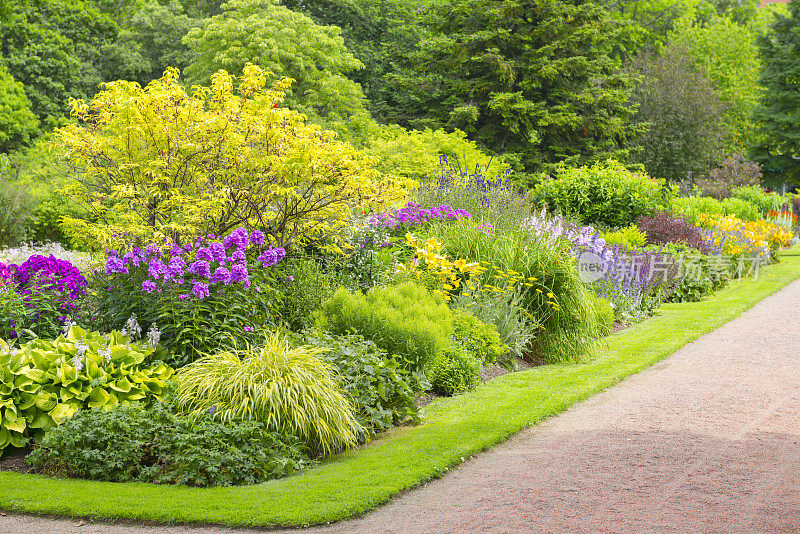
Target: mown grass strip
[(454, 428)]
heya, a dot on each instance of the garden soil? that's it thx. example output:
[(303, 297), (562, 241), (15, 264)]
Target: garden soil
[(707, 440)]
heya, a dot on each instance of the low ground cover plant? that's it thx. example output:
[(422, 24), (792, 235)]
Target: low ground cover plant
[(152, 444)]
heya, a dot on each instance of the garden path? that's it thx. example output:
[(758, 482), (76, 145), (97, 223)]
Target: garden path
[(704, 441)]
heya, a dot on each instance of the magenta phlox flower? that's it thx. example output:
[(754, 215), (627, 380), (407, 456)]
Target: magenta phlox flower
[(200, 290), (239, 238), (200, 268), (221, 276), (239, 257), (204, 254), (148, 286)]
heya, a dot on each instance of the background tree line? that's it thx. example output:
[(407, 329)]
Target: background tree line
[(678, 87)]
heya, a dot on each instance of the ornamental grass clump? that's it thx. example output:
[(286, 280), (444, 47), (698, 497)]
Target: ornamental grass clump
[(289, 389), (543, 270)]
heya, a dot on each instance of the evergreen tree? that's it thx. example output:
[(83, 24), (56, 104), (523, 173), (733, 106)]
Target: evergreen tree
[(778, 114), (531, 79)]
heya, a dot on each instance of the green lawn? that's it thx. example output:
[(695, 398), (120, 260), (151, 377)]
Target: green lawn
[(453, 429)]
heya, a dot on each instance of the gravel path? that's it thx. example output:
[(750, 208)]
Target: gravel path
[(705, 441)]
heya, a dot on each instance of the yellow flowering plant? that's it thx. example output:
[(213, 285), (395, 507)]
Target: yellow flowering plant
[(750, 238)]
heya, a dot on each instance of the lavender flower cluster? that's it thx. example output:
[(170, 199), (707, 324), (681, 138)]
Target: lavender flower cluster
[(194, 269), (583, 239), (414, 215)]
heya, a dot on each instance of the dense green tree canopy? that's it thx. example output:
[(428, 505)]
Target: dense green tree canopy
[(18, 124), (379, 34), (728, 53), (284, 43), (57, 49), (531, 79), (683, 112), (778, 150)]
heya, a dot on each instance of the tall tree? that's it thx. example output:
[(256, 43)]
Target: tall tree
[(728, 53), (283, 43), (18, 124), (531, 79), (778, 113), (682, 112)]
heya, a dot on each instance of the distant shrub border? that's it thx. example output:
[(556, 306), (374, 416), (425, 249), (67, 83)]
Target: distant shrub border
[(453, 428)]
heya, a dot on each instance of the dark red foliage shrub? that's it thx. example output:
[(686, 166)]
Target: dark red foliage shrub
[(664, 227)]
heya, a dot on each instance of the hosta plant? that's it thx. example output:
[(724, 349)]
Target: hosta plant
[(45, 382), (289, 389)]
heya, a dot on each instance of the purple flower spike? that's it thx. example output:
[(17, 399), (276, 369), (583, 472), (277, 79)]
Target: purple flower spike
[(257, 238), (114, 265)]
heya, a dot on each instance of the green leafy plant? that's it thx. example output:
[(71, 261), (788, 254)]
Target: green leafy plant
[(690, 208), (289, 389), (628, 238), (406, 320), (605, 193), (12, 310), (45, 382), (516, 327), (137, 444), (756, 195), (381, 391), (479, 339), (455, 371), (304, 283), (741, 208), (605, 314)]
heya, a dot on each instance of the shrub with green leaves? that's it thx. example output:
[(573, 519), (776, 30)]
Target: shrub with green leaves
[(479, 339), (289, 389), (45, 382), (153, 445), (405, 319), (743, 209), (628, 238), (516, 327), (304, 284), (690, 208), (703, 275), (757, 195), (381, 391), (455, 371), (607, 194)]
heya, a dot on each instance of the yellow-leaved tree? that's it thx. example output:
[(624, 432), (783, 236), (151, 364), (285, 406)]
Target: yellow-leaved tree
[(155, 162)]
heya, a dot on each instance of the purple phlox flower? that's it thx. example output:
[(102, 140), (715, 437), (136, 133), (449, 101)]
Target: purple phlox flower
[(212, 409), (239, 238), (221, 275), (156, 268), (204, 254), (248, 328), (148, 286), (257, 238), (217, 249), (200, 290), (238, 273), (239, 256), (200, 268), (175, 268), (114, 265), (291, 278)]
